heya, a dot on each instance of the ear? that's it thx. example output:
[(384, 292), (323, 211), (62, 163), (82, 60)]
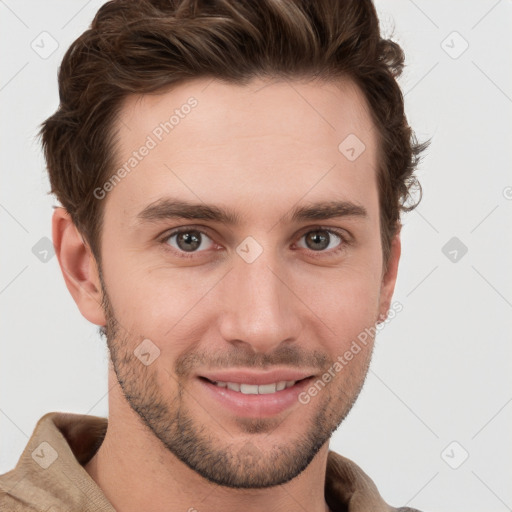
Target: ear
[(389, 277), (78, 267)]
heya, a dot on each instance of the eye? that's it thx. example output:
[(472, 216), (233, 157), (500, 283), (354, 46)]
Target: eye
[(188, 240), (323, 239)]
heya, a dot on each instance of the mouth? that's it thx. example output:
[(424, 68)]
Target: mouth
[(249, 399), (255, 389)]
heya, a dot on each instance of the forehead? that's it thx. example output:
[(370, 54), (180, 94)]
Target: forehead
[(274, 141)]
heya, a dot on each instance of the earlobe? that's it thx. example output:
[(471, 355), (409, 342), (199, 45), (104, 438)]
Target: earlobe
[(78, 267), (389, 277)]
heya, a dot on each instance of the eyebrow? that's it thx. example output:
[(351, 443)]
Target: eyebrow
[(169, 208)]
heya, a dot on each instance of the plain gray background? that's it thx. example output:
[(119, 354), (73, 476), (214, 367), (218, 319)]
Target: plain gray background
[(432, 425)]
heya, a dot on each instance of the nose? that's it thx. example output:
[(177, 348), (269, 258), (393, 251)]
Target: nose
[(260, 308)]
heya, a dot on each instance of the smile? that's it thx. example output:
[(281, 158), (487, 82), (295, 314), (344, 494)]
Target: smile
[(250, 400), (254, 389)]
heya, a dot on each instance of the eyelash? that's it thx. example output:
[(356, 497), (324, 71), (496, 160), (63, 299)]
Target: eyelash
[(181, 254)]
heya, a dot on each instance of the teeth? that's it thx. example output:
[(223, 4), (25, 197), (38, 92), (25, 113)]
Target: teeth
[(265, 389), (233, 386), (254, 389), (249, 389)]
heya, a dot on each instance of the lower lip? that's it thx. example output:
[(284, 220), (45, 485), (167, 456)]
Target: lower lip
[(260, 406)]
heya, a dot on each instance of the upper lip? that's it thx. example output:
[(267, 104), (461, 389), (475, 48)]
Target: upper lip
[(255, 377)]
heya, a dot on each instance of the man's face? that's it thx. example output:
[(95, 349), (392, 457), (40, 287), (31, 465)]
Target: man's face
[(267, 299)]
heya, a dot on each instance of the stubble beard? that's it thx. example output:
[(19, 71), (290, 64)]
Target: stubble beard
[(252, 461)]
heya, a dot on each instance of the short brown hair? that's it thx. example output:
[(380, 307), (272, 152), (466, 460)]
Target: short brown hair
[(145, 46)]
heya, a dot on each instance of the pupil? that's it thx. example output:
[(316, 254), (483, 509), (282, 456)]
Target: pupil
[(318, 239), (188, 238)]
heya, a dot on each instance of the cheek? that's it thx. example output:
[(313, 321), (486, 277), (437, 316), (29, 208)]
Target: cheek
[(163, 304), (348, 295), (346, 306)]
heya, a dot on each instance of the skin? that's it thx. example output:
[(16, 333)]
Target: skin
[(260, 149)]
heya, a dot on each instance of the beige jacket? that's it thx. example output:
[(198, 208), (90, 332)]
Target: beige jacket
[(50, 477)]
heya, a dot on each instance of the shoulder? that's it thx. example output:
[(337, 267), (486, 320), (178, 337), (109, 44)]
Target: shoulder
[(347, 484), (8, 501)]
